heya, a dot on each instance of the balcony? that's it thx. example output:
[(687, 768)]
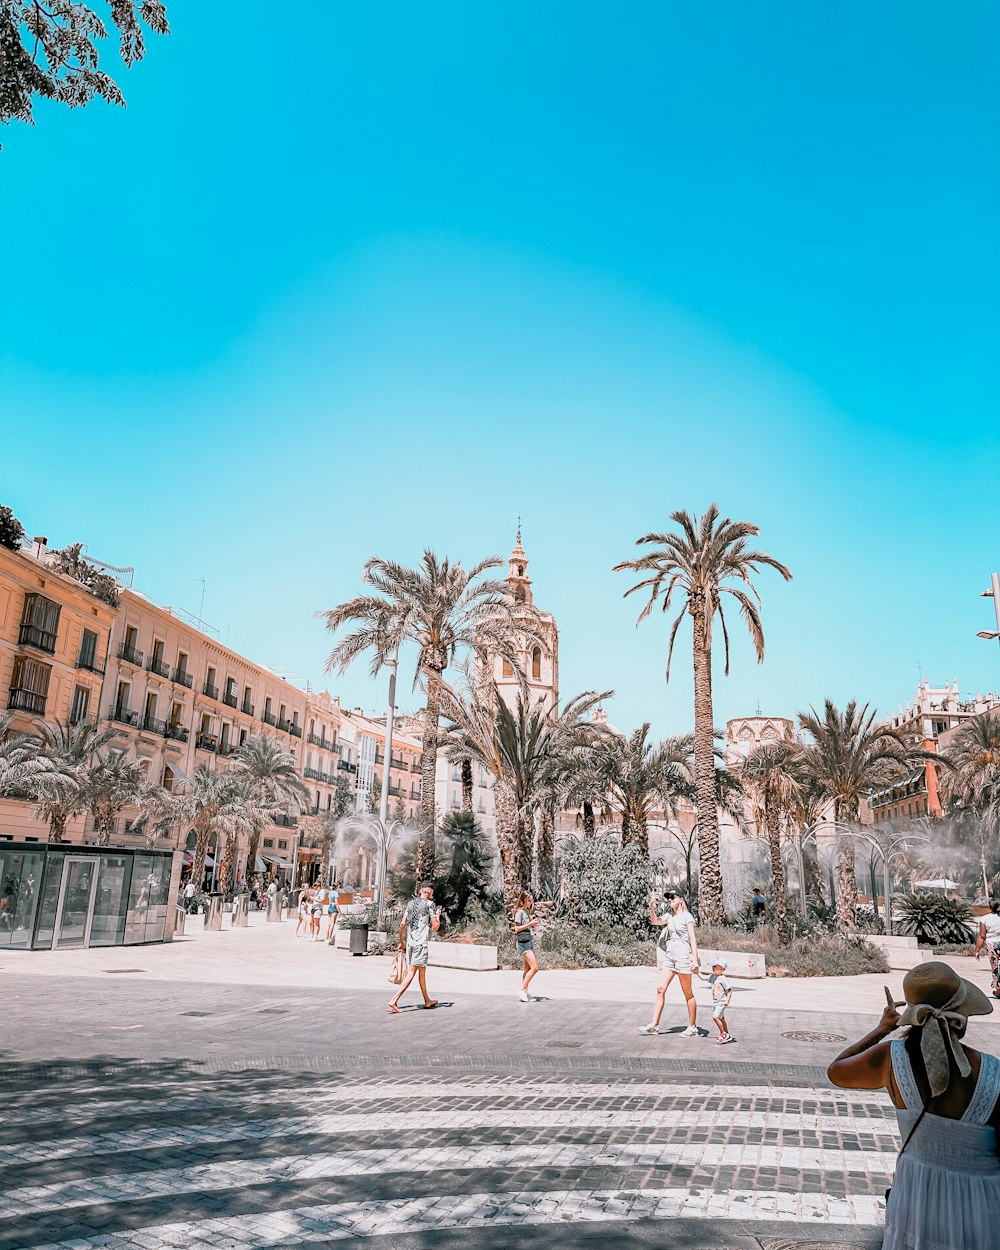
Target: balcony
[(177, 732), (415, 766), (395, 791), (230, 700), (286, 822), (415, 794), (40, 639), (151, 725), (379, 756), (247, 708), (156, 665), (210, 690), (131, 655), (26, 701), (295, 730), (269, 718), (183, 678), (325, 744), (206, 742), (346, 766), (88, 661), (283, 725), (227, 748), (124, 716)]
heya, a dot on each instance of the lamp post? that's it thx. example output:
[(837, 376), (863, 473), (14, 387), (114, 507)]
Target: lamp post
[(898, 847), (994, 594), (383, 803)]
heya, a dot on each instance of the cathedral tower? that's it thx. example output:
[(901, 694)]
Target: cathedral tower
[(539, 662)]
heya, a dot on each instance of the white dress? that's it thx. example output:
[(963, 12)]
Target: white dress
[(946, 1193)]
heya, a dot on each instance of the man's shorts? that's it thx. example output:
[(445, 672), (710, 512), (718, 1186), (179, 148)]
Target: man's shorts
[(416, 956)]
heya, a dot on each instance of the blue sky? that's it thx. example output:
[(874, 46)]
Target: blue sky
[(393, 279)]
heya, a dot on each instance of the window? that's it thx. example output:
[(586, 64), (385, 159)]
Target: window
[(182, 662), (149, 714), (81, 705), (269, 842), (121, 698), (39, 623), (243, 736), (312, 728), (248, 700), (267, 706), (536, 663), (232, 695), (157, 656), (131, 637), (508, 670), (29, 686), (225, 735), (88, 649), (282, 845), (169, 778)]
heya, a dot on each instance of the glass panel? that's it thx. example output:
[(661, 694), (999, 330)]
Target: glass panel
[(50, 898), (109, 906), (159, 891), (71, 923), (20, 877), (142, 891)]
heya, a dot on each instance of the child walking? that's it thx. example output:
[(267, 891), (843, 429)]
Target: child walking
[(722, 993)]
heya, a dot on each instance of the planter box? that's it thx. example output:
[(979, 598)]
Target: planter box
[(901, 953), (747, 964), (466, 955), (342, 939)]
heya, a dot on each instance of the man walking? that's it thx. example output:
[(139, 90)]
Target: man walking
[(419, 920)]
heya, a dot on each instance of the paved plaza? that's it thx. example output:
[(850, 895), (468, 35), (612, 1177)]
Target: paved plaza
[(244, 1089)]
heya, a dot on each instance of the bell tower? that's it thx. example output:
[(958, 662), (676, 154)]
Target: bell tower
[(518, 579), (540, 662)]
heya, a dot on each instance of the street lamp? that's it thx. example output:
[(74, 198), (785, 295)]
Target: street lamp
[(383, 804), (994, 594)]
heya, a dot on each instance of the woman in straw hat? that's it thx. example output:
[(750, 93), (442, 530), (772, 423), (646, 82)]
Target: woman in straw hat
[(946, 1193)]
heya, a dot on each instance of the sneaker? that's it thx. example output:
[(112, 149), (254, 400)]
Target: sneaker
[(525, 996), (649, 1030), (691, 1031)]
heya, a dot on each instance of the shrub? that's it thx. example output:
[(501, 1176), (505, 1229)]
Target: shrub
[(820, 955), (11, 529), (933, 919), (605, 884)]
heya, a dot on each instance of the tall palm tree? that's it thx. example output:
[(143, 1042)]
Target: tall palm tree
[(60, 790), (848, 756), (696, 561), (445, 610), (637, 777), (21, 760), (205, 807), (975, 757), (111, 783), (274, 782), (245, 810), (772, 780)]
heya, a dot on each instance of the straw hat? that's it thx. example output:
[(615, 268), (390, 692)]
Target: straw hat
[(939, 1003)]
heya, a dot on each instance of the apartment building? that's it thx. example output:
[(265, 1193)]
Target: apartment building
[(404, 767), (54, 637)]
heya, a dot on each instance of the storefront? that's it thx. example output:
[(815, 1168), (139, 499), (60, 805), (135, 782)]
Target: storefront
[(57, 896)]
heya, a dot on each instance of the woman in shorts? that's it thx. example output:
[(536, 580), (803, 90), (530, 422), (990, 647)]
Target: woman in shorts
[(317, 906), (331, 914), (677, 956), (524, 928)]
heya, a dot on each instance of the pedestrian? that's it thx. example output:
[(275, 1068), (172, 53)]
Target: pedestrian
[(303, 913), (758, 907), (677, 955), (331, 911), (189, 893), (317, 906), (420, 918), (989, 936), (946, 1192), (722, 995), (524, 927)]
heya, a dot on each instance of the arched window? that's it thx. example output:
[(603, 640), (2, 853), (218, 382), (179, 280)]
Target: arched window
[(536, 663), (508, 670)]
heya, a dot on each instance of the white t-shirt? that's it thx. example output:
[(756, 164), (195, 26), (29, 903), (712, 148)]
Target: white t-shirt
[(676, 936), (991, 923)]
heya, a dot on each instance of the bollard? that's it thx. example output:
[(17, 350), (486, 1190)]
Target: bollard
[(273, 909), (213, 917), (241, 911)]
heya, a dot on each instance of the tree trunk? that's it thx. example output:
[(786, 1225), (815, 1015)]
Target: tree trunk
[(428, 772), (225, 882), (626, 828), (508, 842), (201, 837), (546, 849), (252, 854), (57, 828), (638, 833), (589, 825), (777, 874), (810, 869), (710, 903), (847, 882), (466, 784)]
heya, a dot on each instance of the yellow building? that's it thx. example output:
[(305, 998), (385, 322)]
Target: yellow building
[(53, 647)]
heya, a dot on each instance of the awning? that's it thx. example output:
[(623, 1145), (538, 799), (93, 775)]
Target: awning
[(189, 860), (278, 862)]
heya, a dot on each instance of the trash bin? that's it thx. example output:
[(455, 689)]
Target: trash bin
[(241, 911), (359, 940), (273, 909), (179, 920), (213, 917)]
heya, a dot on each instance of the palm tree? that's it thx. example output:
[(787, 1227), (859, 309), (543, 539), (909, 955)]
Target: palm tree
[(205, 807), (245, 810), (111, 783), (21, 760), (698, 560), (445, 610), (973, 787), (849, 756), (772, 779), (60, 790), (637, 777), (277, 787)]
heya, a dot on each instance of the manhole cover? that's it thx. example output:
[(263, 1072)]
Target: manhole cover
[(273, 1011), (196, 1013), (111, 971), (806, 1035), (565, 1045)]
